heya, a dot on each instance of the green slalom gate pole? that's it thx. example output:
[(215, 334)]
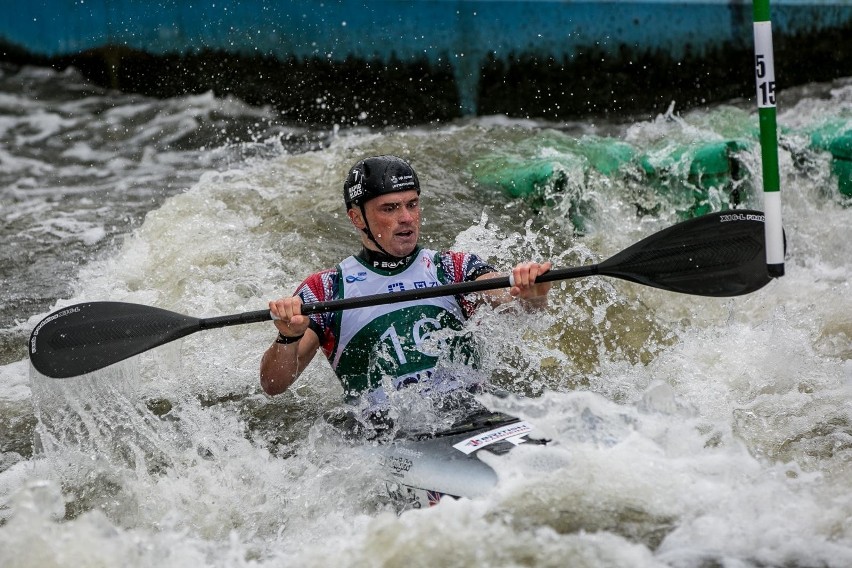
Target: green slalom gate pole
[(765, 77)]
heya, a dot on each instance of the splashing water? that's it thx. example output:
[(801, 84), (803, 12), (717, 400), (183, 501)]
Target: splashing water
[(685, 431)]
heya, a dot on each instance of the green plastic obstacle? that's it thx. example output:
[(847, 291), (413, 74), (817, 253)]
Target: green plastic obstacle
[(697, 178), (525, 178), (552, 168), (835, 137), (540, 164), (541, 182), (824, 134), (841, 162)]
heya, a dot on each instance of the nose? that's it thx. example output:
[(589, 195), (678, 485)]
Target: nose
[(406, 215)]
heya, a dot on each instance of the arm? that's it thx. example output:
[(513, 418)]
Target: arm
[(525, 288), (282, 363)]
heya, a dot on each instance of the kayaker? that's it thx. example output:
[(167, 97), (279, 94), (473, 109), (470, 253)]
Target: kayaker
[(377, 349)]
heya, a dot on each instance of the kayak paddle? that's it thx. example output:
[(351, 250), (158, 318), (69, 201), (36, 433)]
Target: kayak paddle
[(717, 255)]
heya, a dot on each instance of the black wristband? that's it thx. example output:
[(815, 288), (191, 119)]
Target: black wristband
[(285, 340)]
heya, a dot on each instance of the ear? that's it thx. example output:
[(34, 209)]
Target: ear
[(356, 218)]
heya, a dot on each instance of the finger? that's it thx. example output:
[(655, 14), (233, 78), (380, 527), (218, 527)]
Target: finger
[(521, 275), (276, 307), (292, 316), (531, 271), (543, 288), (534, 272)]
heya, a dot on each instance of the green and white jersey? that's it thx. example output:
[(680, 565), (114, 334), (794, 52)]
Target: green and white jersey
[(380, 348), (395, 344)]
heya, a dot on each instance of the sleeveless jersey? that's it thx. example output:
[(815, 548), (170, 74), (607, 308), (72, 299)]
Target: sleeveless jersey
[(394, 344)]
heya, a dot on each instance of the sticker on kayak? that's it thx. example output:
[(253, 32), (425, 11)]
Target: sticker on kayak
[(513, 433)]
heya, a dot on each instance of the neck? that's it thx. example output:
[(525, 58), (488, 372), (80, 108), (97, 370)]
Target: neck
[(378, 259)]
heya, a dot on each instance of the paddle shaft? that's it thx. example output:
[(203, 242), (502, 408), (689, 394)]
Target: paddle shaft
[(718, 255), (461, 288)]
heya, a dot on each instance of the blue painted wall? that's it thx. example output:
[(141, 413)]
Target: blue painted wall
[(463, 31), (379, 27)]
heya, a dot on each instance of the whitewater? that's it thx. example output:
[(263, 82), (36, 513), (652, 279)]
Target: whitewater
[(686, 431)]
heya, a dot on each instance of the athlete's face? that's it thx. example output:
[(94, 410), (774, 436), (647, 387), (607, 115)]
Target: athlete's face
[(394, 220)]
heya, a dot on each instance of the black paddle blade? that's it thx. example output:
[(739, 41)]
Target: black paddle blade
[(86, 337), (719, 254)]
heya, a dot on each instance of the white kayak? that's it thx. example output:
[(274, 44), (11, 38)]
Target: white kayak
[(421, 469)]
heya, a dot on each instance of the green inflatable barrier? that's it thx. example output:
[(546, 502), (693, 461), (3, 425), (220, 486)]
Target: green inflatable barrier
[(841, 162), (551, 167), (523, 177), (543, 162), (604, 154), (685, 176), (541, 182), (835, 137), (823, 135)]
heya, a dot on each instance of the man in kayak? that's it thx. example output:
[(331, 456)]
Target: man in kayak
[(383, 348)]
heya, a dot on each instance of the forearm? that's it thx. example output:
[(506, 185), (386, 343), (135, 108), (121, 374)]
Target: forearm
[(502, 296), (282, 364)]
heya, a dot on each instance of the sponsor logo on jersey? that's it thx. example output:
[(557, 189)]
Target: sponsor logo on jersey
[(392, 264), (418, 285)]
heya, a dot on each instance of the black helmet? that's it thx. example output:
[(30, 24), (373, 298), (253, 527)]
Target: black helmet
[(372, 177)]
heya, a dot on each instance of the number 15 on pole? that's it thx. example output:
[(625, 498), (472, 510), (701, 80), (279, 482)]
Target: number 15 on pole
[(764, 70)]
